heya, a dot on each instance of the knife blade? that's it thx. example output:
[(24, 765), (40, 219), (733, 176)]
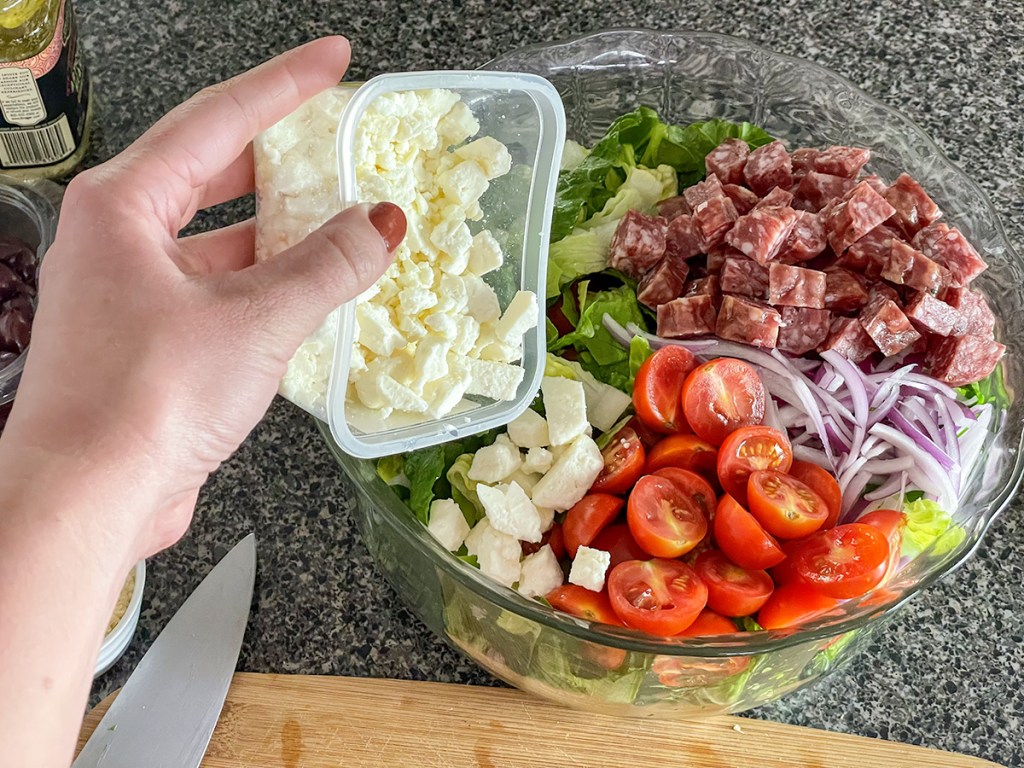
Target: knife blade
[(166, 712)]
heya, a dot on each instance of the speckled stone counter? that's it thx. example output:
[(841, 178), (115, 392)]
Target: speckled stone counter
[(945, 674)]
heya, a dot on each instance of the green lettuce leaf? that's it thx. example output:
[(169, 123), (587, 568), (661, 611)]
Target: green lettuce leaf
[(463, 490), (639, 351), (423, 468), (391, 470), (928, 524), (572, 155), (991, 389), (685, 148)]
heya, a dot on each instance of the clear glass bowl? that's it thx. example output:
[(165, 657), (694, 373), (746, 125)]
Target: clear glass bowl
[(688, 77)]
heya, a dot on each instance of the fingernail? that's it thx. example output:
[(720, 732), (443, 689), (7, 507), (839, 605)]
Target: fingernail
[(389, 221)]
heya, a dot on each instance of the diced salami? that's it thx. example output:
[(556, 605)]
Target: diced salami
[(790, 286), (760, 234), (818, 189), (948, 246), (663, 283), (887, 326), (705, 286), (975, 316), (908, 266), (742, 198), (869, 254), (687, 317), (965, 359), (717, 255), (703, 191), (914, 208), (638, 244), (803, 329), (842, 161), (848, 337), (713, 219), (744, 277), (803, 160), (844, 291), (682, 238), (929, 315), (863, 210), (876, 183), (777, 198), (727, 160), (768, 166), (747, 321), (883, 291), (672, 207), (806, 240)]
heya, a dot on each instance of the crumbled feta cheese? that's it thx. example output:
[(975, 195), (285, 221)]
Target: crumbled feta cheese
[(566, 409), (497, 553), (540, 573), (520, 316), (493, 463), (510, 511), (447, 523), (526, 480), (498, 381), (492, 156), (484, 254), (547, 518), (574, 471), (538, 460), (529, 430), (589, 567), (482, 302)]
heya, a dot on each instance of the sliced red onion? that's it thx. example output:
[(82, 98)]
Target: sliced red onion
[(919, 438), (894, 485)]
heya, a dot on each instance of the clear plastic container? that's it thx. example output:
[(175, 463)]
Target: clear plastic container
[(525, 113)]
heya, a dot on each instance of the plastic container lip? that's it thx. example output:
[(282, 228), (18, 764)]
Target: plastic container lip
[(117, 640), (550, 115)]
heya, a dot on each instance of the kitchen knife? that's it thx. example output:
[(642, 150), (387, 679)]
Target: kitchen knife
[(166, 712)]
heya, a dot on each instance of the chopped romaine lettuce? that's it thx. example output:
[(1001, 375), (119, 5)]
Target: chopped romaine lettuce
[(928, 524), (639, 351), (464, 490), (572, 155), (991, 389), (685, 148)]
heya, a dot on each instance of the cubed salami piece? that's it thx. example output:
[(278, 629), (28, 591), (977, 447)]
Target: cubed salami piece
[(842, 161), (747, 321), (803, 160), (929, 315), (790, 286), (975, 315), (908, 266), (869, 254), (914, 208), (961, 360), (845, 292), (768, 166), (727, 160), (948, 246), (777, 198), (742, 198), (803, 329), (863, 210), (876, 183), (682, 238), (848, 337), (883, 291), (744, 277), (672, 207), (705, 286), (806, 240), (760, 234), (638, 244), (663, 283), (887, 326), (818, 189), (687, 317), (703, 191), (713, 219), (717, 254)]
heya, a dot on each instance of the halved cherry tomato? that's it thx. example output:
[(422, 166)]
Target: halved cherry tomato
[(660, 597), (556, 315), (663, 518), (783, 573), (721, 396), (686, 452), (786, 508), (623, 463), (557, 541), (733, 590), (822, 483), (742, 538), (583, 604), (659, 382), (793, 604), (587, 517), (709, 623), (892, 524), (648, 437), (747, 450), (842, 562), (694, 486), (617, 541)]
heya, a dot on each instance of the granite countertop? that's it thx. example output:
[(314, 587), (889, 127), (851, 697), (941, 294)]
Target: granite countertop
[(944, 674)]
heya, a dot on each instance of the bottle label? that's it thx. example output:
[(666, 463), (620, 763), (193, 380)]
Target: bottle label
[(44, 100)]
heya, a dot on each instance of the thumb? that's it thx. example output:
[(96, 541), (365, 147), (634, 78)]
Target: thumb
[(293, 292)]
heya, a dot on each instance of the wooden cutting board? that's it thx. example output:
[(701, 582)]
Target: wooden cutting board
[(286, 721)]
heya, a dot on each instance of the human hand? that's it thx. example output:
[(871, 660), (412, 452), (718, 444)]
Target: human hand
[(153, 356)]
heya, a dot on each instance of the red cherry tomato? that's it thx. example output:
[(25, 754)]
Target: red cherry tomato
[(583, 604), (557, 541), (732, 590), (843, 562), (694, 486), (686, 452), (623, 463), (786, 508), (648, 437), (793, 604), (587, 518), (659, 382), (556, 315), (747, 450), (663, 518), (721, 396), (892, 524), (660, 597), (783, 573), (617, 541), (822, 483), (709, 623), (691, 672), (742, 538)]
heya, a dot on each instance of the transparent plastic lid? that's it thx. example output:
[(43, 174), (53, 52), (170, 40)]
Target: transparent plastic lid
[(399, 377)]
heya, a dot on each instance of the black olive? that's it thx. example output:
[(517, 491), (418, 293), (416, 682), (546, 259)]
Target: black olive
[(15, 329)]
